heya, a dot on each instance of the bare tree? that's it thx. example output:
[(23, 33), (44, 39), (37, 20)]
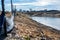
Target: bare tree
[(14, 10), (11, 6), (4, 20)]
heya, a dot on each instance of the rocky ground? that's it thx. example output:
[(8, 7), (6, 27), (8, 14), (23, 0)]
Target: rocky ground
[(28, 29)]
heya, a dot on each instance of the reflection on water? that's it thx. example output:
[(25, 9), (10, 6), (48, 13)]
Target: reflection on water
[(49, 21)]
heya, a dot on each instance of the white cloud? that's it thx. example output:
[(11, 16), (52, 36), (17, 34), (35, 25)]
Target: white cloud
[(40, 3)]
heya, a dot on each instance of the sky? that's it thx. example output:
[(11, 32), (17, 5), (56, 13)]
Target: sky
[(33, 4)]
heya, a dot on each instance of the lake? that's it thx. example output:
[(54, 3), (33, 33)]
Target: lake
[(49, 21)]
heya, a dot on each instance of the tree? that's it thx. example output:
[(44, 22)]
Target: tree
[(30, 9), (20, 10), (3, 18), (11, 6)]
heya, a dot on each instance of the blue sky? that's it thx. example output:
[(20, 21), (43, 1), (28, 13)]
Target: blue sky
[(33, 4)]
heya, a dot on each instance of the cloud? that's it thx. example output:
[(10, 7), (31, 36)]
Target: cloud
[(39, 3)]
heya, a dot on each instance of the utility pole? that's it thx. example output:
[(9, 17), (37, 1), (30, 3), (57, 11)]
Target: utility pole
[(4, 20)]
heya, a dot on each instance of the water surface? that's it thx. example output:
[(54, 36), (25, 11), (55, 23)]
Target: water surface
[(49, 21)]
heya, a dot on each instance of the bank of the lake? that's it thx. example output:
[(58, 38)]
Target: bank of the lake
[(26, 28)]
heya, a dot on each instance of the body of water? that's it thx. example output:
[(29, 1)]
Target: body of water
[(49, 21)]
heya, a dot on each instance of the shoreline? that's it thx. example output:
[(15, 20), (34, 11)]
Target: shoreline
[(46, 16), (44, 25), (25, 27)]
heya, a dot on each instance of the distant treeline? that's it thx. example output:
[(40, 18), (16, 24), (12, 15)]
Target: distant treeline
[(50, 13)]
